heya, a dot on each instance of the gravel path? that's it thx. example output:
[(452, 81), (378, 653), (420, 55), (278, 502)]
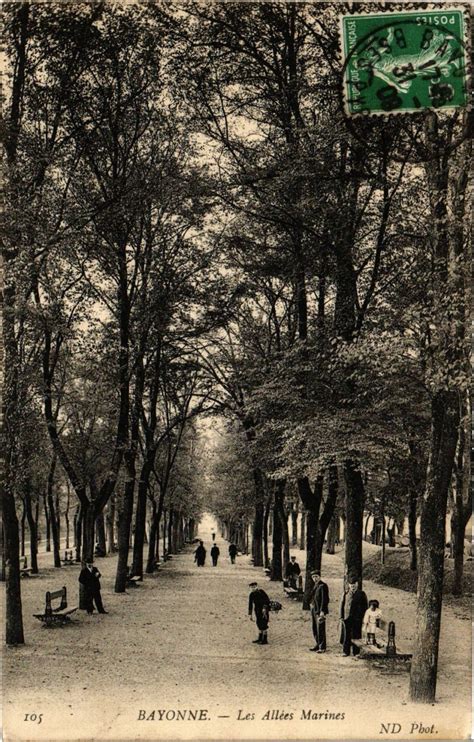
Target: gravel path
[(182, 641)]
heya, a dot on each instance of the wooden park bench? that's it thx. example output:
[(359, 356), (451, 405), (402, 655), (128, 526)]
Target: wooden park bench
[(385, 647), (133, 580), (295, 593), (25, 571), (56, 615)]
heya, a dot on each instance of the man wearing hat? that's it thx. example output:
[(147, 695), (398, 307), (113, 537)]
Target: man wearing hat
[(260, 603), (353, 607), (319, 609)]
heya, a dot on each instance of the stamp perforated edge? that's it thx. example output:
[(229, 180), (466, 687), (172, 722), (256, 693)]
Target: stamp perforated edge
[(412, 8)]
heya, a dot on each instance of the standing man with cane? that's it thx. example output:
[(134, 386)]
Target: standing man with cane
[(319, 610)]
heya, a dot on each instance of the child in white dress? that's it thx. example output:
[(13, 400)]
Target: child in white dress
[(371, 620)]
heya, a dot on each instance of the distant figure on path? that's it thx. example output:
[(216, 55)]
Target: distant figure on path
[(89, 578), (260, 603), (213, 534), (319, 609), (200, 555), (232, 553), (353, 607), (371, 620), (292, 572), (215, 551)]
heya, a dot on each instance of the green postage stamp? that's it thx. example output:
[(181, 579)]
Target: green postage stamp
[(405, 62)]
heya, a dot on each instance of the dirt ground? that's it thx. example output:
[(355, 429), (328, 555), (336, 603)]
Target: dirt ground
[(182, 641)]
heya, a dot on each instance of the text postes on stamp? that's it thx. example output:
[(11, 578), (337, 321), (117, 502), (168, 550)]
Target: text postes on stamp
[(404, 62)]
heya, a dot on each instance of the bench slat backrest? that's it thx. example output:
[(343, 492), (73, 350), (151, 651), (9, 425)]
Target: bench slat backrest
[(62, 593)]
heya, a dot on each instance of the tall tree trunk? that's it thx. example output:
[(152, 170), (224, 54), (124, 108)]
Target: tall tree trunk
[(445, 422), (66, 514), (311, 530), (33, 527), (412, 517), (303, 531), (140, 520), (266, 558), (171, 517), (110, 523), (294, 527), (88, 530), (332, 534), (157, 549), (57, 510), (11, 412), (14, 617), (327, 514), (311, 501), (3, 575), (164, 531), (277, 540), (285, 536), (174, 533), (152, 546), (47, 517), (125, 522), (450, 287), (78, 516), (366, 527), (257, 534), (23, 529), (354, 519), (101, 547), (52, 513), (462, 506)]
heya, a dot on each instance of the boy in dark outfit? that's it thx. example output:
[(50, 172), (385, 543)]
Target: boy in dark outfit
[(89, 578), (232, 553), (260, 602), (215, 551), (353, 607)]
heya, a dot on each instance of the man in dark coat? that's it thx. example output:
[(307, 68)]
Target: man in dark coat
[(89, 578), (200, 555), (292, 572), (260, 603), (215, 551), (319, 609), (353, 607), (232, 553)]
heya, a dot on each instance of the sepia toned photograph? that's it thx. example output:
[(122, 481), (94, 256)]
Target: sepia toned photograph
[(236, 370)]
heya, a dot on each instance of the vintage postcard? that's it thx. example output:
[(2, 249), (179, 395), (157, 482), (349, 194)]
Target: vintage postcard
[(236, 370)]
